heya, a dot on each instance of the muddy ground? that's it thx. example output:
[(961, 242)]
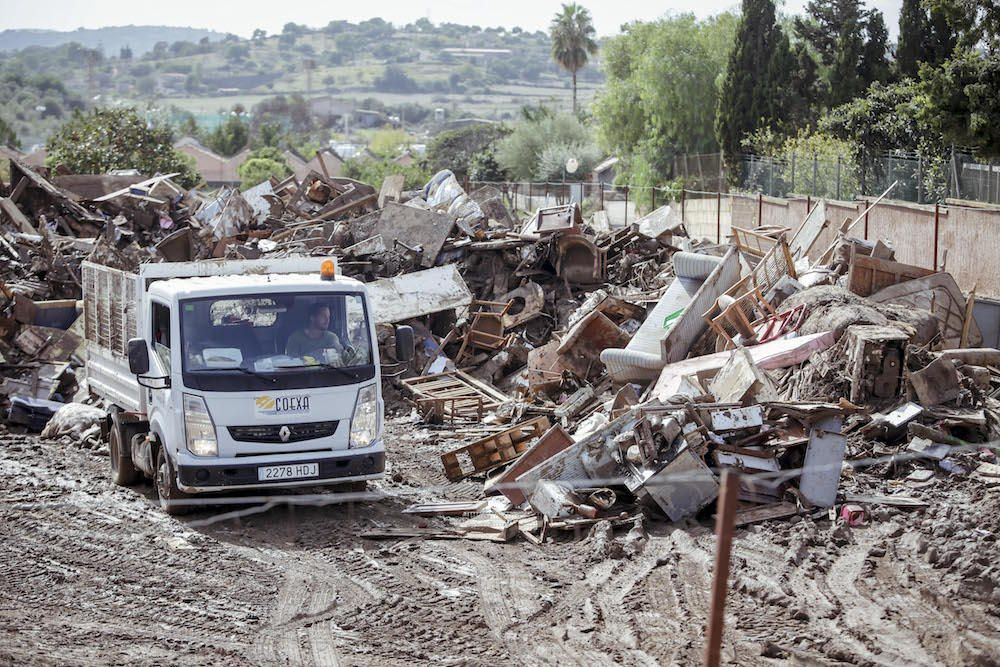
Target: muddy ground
[(95, 574)]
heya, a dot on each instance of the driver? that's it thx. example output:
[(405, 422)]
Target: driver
[(316, 337)]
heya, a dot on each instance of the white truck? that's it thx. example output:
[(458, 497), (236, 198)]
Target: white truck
[(236, 375)]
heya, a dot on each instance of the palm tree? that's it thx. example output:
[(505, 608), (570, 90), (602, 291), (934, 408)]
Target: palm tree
[(572, 40)]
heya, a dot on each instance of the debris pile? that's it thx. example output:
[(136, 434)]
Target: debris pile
[(582, 373)]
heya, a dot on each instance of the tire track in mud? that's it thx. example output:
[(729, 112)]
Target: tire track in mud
[(93, 573)]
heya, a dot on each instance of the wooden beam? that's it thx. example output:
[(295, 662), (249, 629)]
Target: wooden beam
[(724, 520)]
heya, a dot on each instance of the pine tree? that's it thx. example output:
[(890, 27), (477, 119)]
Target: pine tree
[(913, 36), (874, 64), (940, 38), (806, 89), (756, 83)]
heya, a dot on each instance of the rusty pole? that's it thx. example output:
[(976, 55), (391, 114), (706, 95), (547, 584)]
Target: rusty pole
[(682, 204), (937, 223), (718, 217), (760, 209), (724, 519), (867, 211), (626, 205)]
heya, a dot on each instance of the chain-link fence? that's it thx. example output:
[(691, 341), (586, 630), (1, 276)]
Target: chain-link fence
[(918, 178)]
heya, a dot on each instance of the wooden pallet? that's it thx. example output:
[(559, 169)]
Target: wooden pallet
[(454, 395), (494, 450)]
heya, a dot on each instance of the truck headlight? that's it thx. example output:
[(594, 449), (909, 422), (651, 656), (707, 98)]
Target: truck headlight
[(365, 422), (198, 427)]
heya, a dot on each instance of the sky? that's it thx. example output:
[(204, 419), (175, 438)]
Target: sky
[(244, 16)]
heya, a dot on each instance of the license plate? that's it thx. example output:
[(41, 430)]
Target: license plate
[(290, 471)]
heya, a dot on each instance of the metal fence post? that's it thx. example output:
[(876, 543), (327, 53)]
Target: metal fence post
[(838, 176), (682, 203), (920, 179), (652, 196), (864, 189), (815, 172), (718, 217), (937, 222)]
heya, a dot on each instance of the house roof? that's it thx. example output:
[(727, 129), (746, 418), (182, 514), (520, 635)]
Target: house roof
[(606, 164)]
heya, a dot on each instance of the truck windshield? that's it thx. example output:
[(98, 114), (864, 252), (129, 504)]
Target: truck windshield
[(275, 337)]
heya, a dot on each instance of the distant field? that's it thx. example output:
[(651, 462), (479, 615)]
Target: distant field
[(503, 99)]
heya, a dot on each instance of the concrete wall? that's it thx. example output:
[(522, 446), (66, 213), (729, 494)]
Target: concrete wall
[(703, 220), (969, 236)]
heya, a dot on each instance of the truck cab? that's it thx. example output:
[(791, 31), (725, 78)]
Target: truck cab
[(247, 378)]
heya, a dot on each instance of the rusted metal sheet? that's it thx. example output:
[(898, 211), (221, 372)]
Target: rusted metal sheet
[(415, 227)]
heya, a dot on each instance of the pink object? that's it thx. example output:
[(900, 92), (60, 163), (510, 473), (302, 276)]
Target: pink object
[(854, 515), (776, 354)]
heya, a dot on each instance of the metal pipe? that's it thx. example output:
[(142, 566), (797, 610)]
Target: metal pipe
[(718, 217), (937, 223)]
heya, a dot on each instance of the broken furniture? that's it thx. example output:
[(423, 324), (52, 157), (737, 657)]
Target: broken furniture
[(485, 330), (454, 395), (492, 451), (875, 357), (579, 260), (676, 321)]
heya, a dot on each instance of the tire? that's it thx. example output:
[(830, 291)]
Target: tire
[(166, 486), (123, 471)]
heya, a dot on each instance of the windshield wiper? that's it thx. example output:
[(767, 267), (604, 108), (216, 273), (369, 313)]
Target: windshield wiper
[(343, 371), (241, 369)]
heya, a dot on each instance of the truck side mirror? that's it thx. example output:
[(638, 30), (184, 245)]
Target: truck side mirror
[(404, 343), (138, 356)]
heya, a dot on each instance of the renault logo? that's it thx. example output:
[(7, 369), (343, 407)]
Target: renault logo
[(284, 433)]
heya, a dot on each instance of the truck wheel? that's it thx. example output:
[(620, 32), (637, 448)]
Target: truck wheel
[(166, 486), (123, 471)]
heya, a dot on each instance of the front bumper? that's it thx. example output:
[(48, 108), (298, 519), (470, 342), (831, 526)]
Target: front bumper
[(364, 465)]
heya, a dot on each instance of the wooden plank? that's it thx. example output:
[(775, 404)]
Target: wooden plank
[(809, 231), (765, 513), (11, 210)]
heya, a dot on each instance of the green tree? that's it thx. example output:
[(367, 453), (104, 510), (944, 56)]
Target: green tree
[(756, 83), (533, 149), (106, 139), (261, 165), (458, 149), (890, 118), (8, 137), (573, 43), (394, 79), (662, 92), (230, 137), (913, 35), (963, 102), (836, 30), (874, 65)]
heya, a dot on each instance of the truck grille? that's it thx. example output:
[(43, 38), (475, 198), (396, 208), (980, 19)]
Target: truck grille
[(296, 432)]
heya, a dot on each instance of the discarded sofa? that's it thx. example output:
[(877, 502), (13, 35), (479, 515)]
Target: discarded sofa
[(675, 322)]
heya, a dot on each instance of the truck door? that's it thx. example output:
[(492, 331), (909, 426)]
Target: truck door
[(161, 341)]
